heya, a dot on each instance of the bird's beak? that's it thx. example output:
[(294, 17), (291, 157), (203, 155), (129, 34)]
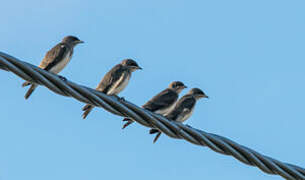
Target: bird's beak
[(80, 42), (203, 96), (139, 68), (184, 86)]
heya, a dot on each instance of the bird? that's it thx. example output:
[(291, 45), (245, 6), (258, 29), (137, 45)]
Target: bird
[(163, 102), (114, 81), (55, 60), (183, 108)]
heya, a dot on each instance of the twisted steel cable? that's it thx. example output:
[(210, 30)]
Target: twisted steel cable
[(146, 118)]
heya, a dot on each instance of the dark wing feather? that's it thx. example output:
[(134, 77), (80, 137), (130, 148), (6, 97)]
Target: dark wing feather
[(54, 56), (110, 78), (184, 105), (162, 100)]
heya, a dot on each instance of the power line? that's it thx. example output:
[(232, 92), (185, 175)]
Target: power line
[(146, 118)]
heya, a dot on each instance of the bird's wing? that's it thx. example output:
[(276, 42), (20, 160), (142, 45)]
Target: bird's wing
[(54, 56), (162, 100), (182, 108), (111, 78)]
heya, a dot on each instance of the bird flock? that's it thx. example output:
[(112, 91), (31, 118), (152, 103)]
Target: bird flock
[(165, 103)]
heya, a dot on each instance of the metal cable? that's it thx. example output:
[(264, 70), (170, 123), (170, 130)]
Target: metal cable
[(146, 118)]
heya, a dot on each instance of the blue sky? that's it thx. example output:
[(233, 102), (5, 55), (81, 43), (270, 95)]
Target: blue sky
[(248, 56)]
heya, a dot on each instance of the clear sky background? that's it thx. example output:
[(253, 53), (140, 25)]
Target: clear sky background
[(248, 56)]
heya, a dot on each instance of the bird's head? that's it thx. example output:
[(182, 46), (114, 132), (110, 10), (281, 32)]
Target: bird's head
[(197, 93), (177, 86), (72, 40), (131, 64)]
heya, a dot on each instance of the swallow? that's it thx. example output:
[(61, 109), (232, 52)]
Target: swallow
[(114, 81), (183, 108), (56, 59), (163, 102)]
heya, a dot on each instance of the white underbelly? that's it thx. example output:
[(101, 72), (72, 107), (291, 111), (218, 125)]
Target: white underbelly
[(166, 111), (185, 117), (61, 65), (120, 85)]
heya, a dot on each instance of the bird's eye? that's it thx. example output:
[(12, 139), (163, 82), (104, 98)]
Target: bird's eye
[(133, 64)]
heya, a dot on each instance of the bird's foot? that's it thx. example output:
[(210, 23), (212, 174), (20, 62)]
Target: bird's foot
[(119, 98), (188, 126), (62, 78)]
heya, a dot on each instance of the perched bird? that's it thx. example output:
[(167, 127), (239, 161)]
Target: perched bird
[(56, 59), (114, 81), (163, 102), (183, 109)]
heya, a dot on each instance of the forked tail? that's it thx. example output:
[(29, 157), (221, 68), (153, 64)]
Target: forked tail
[(87, 109), (30, 91)]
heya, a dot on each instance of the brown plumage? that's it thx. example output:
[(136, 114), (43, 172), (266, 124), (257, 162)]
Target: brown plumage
[(163, 102), (114, 81), (183, 109), (55, 59)]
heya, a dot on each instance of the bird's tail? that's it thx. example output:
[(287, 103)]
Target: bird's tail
[(126, 119), (30, 91), (157, 137), (153, 131), (88, 108), (129, 121), (26, 83)]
